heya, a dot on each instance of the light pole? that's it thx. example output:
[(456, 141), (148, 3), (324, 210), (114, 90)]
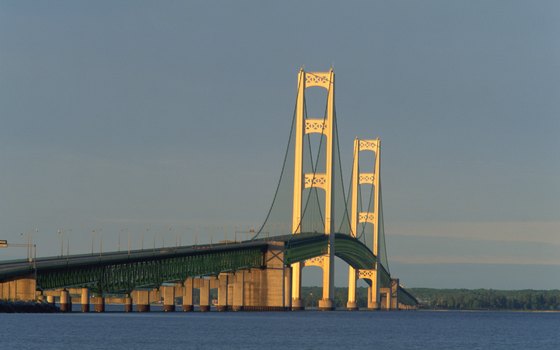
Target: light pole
[(147, 233), (92, 238), (155, 237), (176, 236), (29, 239), (67, 241), (119, 240), (61, 238), (31, 251), (61, 233)]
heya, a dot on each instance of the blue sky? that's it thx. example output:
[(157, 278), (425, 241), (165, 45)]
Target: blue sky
[(161, 119)]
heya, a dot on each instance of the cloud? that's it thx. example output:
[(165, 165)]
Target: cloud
[(505, 231), (498, 243), (490, 260)]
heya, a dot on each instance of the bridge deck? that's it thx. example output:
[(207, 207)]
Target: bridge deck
[(125, 271)]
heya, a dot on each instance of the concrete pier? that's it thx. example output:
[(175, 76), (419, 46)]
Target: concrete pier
[(238, 291), (84, 299), (168, 298), (297, 305), (287, 288), (230, 286), (40, 297), (142, 299), (128, 304), (389, 296), (265, 288), (65, 301), (326, 305), (222, 292), (351, 305), (188, 295), (385, 298), (98, 303), (204, 295), (19, 288), (372, 301)]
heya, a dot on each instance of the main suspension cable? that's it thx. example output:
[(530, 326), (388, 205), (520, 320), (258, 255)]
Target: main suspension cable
[(283, 166)]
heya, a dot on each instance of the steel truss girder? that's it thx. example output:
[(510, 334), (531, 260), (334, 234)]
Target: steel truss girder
[(304, 246), (127, 276)]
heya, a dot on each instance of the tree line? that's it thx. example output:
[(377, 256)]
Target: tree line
[(453, 299), (446, 299), (487, 299)]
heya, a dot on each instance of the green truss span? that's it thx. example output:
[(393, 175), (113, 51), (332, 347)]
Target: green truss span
[(406, 298), (308, 245), (122, 272), (146, 272)]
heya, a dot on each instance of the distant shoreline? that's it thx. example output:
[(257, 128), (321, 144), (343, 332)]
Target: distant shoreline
[(430, 299), (487, 299), (456, 299), (487, 310)]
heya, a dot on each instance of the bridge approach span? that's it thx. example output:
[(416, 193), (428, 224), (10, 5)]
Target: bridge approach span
[(121, 272), (261, 265)]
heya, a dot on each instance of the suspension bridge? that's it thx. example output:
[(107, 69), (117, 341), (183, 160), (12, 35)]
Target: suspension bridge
[(313, 218)]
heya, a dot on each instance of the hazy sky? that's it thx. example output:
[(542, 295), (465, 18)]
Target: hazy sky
[(161, 118)]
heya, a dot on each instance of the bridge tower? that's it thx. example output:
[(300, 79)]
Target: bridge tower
[(371, 217), (323, 181)]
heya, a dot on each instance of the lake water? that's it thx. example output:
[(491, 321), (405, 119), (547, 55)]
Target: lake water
[(282, 330)]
